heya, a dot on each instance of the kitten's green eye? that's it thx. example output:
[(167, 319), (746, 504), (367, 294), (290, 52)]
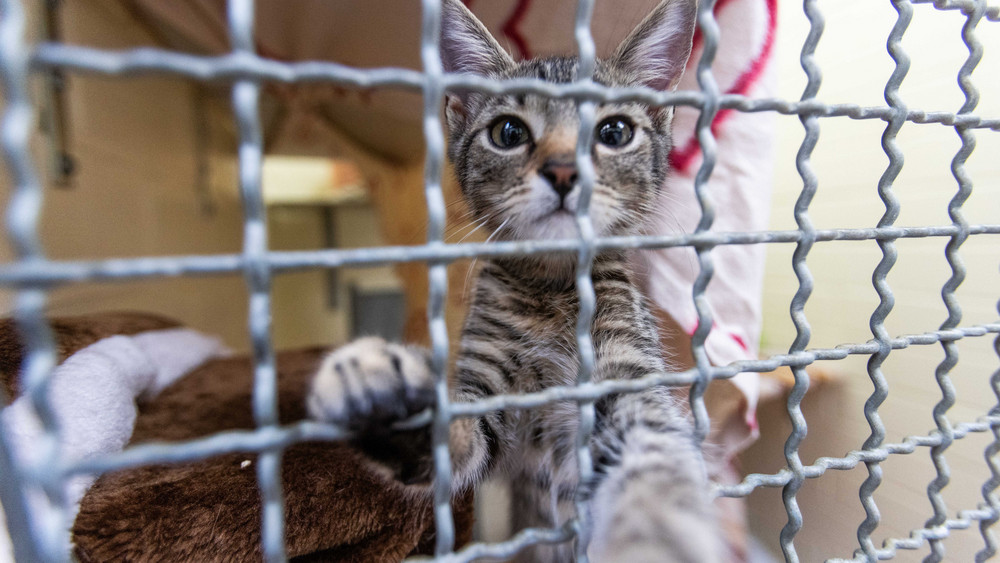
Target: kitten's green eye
[(508, 132), (614, 131)]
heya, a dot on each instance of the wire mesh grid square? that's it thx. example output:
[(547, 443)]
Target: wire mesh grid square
[(37, 536)]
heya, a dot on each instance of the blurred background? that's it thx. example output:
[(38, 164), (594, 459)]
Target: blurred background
[(146, 167)]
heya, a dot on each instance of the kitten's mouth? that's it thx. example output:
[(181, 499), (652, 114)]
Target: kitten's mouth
[(557, 223), (561, 213), (564, 208)]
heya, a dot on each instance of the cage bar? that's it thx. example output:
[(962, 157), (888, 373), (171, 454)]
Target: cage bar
[(38, 535), (43, 522), (433, 92), (944, 427), (886, 300), (257, 272), (797, 309)]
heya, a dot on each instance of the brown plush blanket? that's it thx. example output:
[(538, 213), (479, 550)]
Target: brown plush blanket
[(337, 506)]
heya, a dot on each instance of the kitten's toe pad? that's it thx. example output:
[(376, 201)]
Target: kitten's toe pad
[(370, 381)]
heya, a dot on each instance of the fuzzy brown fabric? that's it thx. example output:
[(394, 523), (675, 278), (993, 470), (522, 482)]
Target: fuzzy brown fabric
[(71, 334), (337, 506)]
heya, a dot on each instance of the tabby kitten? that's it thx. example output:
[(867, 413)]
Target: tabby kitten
[(515, 160)]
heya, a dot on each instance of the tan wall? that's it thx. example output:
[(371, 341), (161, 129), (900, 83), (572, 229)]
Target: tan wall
[(136, 193), (848, 162)]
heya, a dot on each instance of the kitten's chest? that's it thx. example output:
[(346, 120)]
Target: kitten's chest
[(548, 353)]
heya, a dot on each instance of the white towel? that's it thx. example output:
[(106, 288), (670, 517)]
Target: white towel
[(94, 395)]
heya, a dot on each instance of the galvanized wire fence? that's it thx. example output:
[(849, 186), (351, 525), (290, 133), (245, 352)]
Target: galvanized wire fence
[(40, 536)]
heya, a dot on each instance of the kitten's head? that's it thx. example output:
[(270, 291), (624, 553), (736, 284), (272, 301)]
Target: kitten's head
[(515, 154)]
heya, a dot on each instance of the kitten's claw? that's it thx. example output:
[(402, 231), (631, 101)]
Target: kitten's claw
[(369, 382)]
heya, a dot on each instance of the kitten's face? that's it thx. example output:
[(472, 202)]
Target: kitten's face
[(516, 159), (515, 155)]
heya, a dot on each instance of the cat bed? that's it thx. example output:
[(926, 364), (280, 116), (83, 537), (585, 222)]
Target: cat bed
[(337, 506)]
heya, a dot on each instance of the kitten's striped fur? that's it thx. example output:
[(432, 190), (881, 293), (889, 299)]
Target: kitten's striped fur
[(648, 500)]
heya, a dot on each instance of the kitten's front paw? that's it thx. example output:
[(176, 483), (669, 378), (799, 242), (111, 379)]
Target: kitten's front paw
[(371, 381)]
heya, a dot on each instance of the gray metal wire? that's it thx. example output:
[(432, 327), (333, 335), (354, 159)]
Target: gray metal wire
[(706, 141), (888, 247), (433, 91), (973, 16), (49, 273), (802, 273), (586, 110), (38, 536), (993, 462), (43, 527), (245, 100), (138, 62)]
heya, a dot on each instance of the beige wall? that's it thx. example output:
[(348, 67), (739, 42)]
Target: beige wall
[(136, 193), (848, 162)]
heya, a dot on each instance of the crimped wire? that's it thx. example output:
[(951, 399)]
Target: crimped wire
[(904, 13), (44, 533), (433, 93), (55, 272), (142, 61), (507, 549), (852, 459), (585, 261), (257, 273), (706, 141), (918, 537), (965, 6), (992, 458), (797, 307), (267, 438), (942, 373)]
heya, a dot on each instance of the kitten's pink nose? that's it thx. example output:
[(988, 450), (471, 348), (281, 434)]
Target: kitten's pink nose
[(560, 174)]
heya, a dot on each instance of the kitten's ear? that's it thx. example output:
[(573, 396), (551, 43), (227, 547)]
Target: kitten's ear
[(466, 44), (657, 50)]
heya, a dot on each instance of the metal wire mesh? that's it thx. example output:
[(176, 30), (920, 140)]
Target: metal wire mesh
[(39, 536)]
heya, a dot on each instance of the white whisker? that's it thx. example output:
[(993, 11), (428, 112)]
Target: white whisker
[(498, 229), (479, 225), (468, 276)]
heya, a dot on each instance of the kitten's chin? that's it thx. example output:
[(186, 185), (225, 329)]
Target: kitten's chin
[(562, 225), (559, 224)]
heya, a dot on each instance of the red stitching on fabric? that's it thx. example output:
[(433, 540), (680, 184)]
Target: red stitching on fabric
[(681, 157), (694, 328), (512, 29), (739, 340)]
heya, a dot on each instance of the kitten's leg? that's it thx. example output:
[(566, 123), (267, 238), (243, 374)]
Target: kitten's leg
[(370, 383), (650, 502), (535, 507)]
